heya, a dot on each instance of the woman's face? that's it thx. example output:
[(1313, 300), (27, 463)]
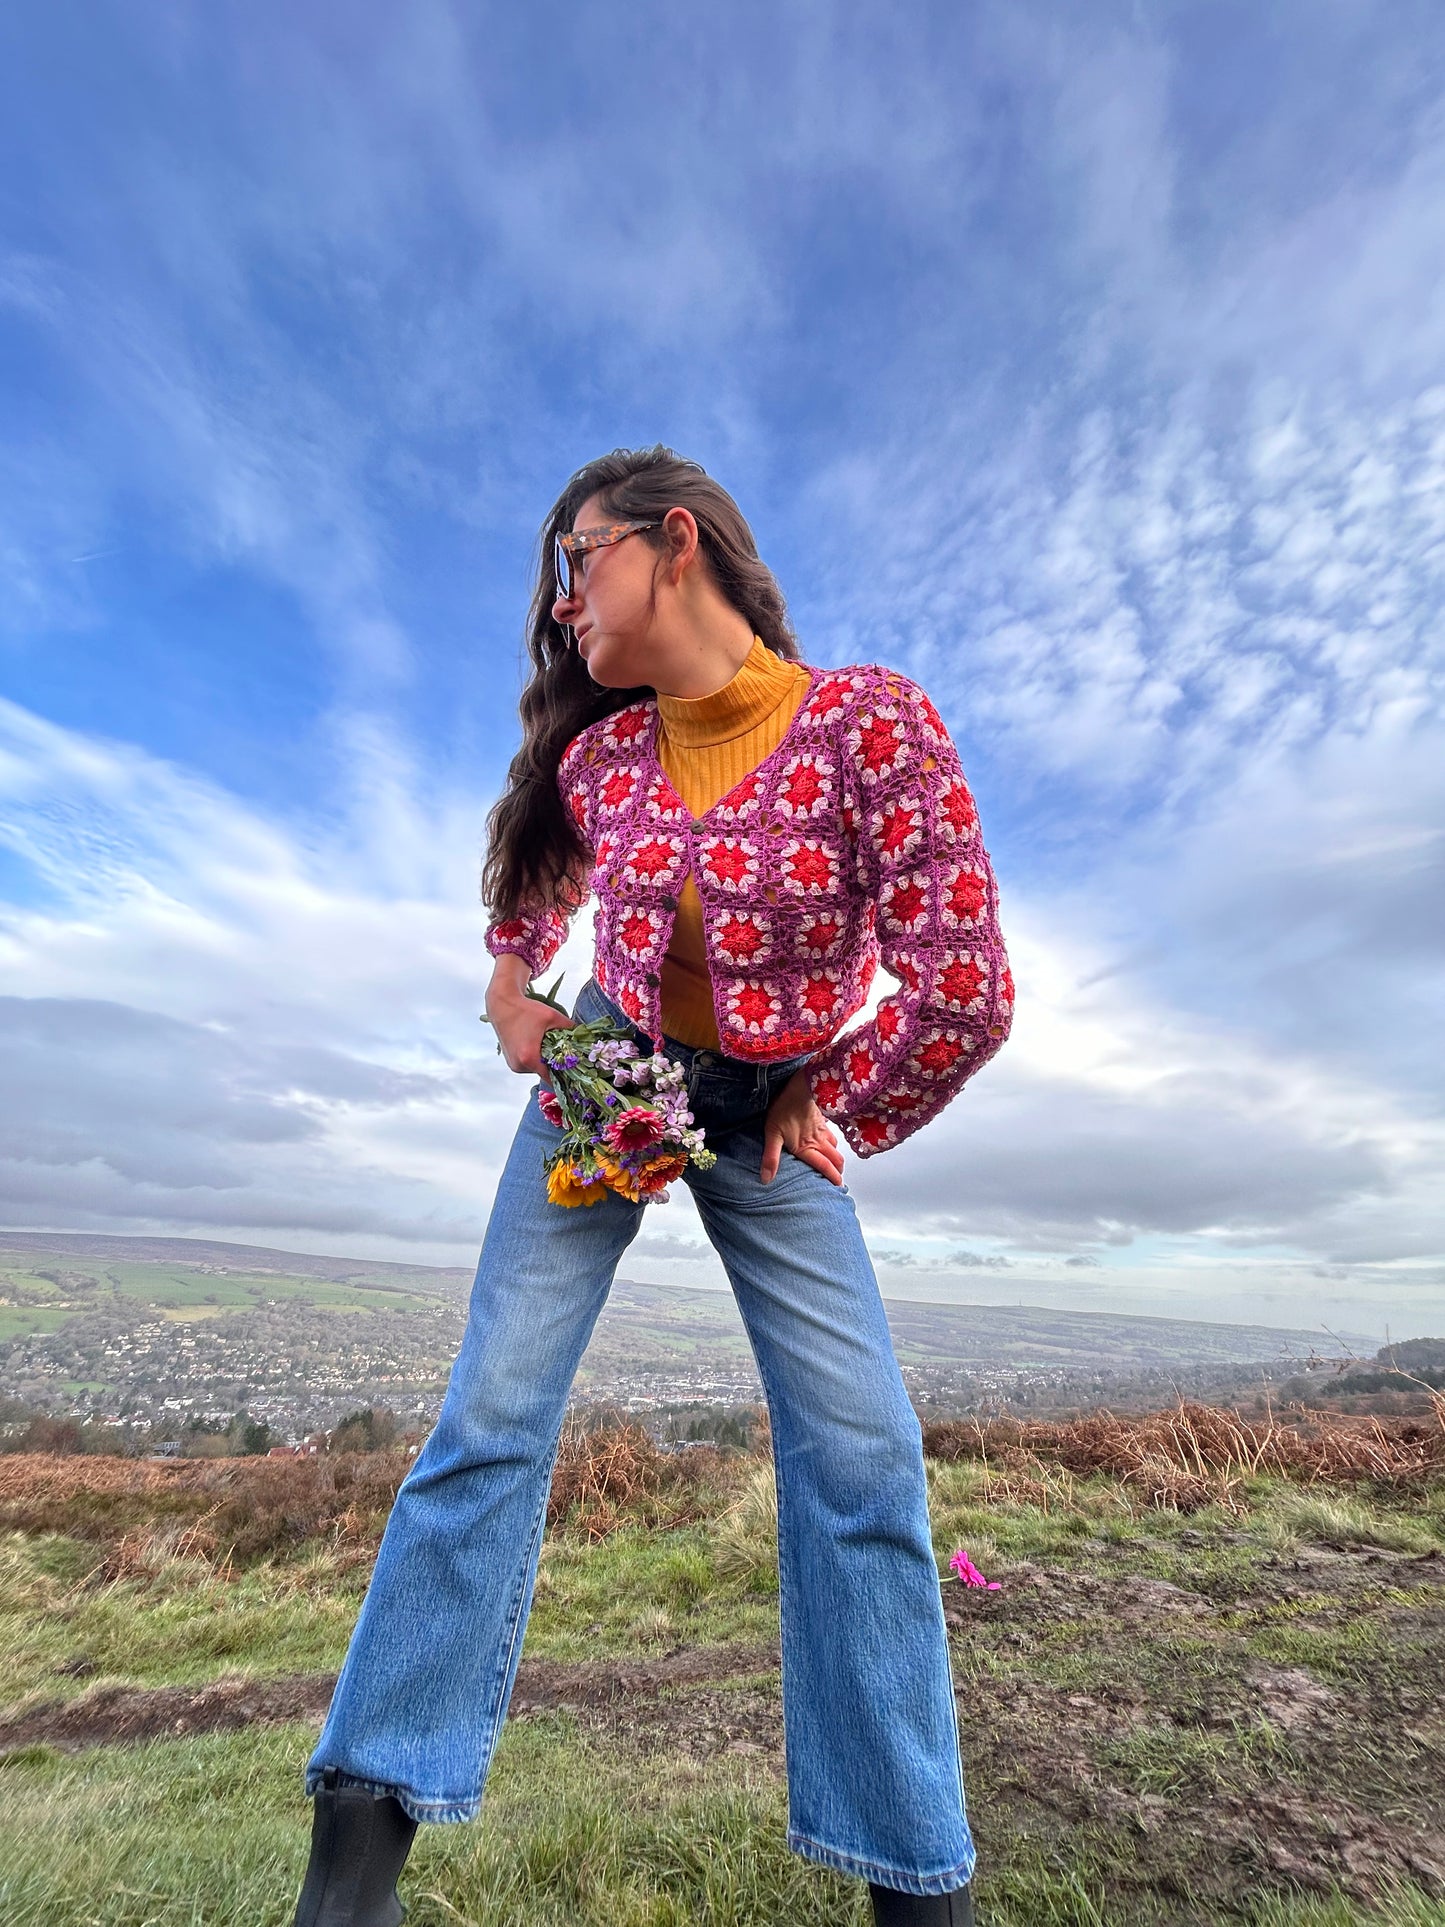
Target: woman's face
[(610, 610)]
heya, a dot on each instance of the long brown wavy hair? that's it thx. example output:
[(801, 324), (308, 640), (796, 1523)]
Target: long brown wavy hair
[(534, 855)]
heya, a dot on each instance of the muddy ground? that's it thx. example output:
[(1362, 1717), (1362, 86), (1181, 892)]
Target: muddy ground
[(1287, 1730)]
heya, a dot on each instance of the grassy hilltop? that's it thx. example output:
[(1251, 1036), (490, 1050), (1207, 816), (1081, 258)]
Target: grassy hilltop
[(1208, 1689)]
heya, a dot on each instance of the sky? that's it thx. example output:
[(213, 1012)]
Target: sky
[(1086, 363)]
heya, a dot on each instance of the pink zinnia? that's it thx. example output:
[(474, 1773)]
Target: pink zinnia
[(551, 1109), (636, 1129), (969, 1573)]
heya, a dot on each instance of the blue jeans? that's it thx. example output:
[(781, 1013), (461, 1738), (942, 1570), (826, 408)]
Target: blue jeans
[(871, 1741)]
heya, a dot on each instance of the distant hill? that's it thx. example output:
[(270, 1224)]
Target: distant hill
[(644, 1322), (208, 1251)]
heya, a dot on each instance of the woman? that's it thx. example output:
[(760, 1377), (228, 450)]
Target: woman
[(757, 832)]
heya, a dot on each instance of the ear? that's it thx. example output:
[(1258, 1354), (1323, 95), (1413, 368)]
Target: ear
[(680, 528)]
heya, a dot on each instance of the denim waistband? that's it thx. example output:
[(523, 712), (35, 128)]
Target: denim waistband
[(713, 1078)]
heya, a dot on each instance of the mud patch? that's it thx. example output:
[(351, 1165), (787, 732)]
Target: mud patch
[(1324, 1843), (126, 1715), (1055, 1593), (689, 1722), (1139, 1712), (1291, 1699)]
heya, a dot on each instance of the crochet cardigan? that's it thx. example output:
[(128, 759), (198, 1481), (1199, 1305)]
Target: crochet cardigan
[(855, 839)]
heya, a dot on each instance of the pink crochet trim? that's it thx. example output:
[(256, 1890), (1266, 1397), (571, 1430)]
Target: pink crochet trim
[(855, 839)]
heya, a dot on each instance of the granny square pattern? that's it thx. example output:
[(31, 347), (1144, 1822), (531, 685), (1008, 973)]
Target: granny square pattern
[(856, 840)]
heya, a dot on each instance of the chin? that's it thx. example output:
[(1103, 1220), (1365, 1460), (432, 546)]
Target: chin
[(605, 674)]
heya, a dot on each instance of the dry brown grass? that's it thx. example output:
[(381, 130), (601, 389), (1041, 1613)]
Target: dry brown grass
[(1196, 1455), (615, 1475), (147, 1511), (212, 1509)]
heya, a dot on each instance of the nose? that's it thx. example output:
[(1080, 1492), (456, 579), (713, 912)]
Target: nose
[(566, 607)]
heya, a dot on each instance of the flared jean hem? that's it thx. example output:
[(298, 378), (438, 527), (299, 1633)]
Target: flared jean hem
[(877, 1873), (429, 1812), (454, 1812)]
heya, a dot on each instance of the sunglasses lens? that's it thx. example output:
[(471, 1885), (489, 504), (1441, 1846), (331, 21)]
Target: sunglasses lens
[(562, 563)]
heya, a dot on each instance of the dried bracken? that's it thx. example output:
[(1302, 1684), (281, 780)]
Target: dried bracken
[(1196, 1455), (615, 1475), (149, 1512)]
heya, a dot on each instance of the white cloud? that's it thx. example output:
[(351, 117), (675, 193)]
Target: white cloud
[(1112, 1117), (212, 1020), (1167, 546), (217, 1024)]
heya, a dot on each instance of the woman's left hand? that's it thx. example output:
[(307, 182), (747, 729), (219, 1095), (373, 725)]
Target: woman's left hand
[(795, 1123)]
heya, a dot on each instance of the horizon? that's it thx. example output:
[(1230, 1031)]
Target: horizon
[(1090, 370), (10, 1236)]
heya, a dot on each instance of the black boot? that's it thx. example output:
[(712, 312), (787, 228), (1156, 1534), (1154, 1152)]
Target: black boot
[(894, 1909), (359, 1843)]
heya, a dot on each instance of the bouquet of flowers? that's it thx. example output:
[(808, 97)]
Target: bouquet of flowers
[(623, 1114)]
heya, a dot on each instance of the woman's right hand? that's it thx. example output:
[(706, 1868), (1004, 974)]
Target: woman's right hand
[(520, 1021)]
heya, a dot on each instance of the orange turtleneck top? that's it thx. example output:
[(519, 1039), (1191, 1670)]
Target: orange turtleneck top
[(707, 745)]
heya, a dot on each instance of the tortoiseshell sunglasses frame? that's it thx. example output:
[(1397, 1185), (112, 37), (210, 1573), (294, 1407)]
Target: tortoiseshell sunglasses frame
[(582, 541)]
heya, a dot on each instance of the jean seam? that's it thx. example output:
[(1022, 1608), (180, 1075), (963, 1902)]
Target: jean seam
[(784, 1611), (515, 1618)]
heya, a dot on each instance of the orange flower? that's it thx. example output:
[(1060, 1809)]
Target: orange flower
[(653, 1177), (564, 1186)]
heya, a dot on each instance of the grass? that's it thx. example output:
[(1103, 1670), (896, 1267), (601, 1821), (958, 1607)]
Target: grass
[(182, 1625), (213, 1831), (1397, 1908), (1330, 1520), (1229, 1712), (643, 1589), (20, 1320), (176, 1287)]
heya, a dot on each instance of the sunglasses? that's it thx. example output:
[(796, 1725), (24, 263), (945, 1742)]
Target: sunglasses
[(578, 542)]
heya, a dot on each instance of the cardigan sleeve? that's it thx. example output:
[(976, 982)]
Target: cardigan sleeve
[(922, 865), (536, 933)]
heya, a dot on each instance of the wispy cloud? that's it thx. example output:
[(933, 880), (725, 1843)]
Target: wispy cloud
[(1099, 387), (217, 1021)]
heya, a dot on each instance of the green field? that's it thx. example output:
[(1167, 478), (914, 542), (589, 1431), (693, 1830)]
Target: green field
[(172, 1286), (1228, 1714), (18, 1318)]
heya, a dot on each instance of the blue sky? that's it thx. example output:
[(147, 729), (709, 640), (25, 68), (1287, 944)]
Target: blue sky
[(1087, 363)]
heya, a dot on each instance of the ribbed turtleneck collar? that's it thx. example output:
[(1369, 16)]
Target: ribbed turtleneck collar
[(760, 685)]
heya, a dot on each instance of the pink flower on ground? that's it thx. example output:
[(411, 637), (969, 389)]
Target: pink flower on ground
[(636, 1129), (551, 1109), (969, 1573)]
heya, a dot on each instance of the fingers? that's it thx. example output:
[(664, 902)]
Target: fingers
[(823, 1156)]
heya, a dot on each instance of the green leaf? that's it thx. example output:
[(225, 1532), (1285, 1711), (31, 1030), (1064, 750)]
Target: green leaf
[(549, 996)]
